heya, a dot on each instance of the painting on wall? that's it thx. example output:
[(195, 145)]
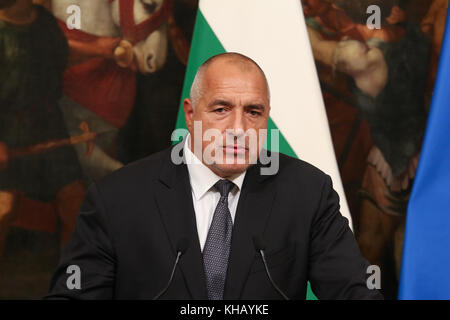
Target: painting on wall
[(377, 82), (86, 87)]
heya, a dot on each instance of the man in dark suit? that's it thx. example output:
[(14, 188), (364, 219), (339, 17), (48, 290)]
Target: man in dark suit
[(217, 222)]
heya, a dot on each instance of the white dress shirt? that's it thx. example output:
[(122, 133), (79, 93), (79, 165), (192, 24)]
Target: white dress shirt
[(205, 197)]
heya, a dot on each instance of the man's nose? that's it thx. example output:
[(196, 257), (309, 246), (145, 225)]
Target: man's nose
[(238, 121)]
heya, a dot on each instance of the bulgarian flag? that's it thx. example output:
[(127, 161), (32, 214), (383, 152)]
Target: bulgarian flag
[(273, 33)]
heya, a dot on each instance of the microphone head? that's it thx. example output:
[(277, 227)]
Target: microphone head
[(182, 245), (259, 243)]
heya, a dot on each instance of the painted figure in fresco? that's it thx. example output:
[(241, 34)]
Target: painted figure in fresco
[(388, 69), (117, 39), (150, 125), (38, 165)]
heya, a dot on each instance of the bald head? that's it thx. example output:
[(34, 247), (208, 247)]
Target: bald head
[(227, 113), (237, 60)]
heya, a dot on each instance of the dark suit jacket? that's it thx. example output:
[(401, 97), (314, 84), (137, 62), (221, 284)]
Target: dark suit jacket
[(131, 222)]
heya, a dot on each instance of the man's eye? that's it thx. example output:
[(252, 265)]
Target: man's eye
[(219, 110), (255, 113)]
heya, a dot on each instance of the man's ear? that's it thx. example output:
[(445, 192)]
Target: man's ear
[(188, 113)]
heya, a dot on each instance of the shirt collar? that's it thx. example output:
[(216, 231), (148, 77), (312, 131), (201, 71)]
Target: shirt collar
[(202, 178)]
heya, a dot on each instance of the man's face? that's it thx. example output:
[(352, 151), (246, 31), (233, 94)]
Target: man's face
[(234, 101)]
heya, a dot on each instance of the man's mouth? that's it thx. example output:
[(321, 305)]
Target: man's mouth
[(235, 149)]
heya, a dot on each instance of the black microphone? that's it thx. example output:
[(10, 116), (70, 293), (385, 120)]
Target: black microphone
[(260, 247), (182, 246)]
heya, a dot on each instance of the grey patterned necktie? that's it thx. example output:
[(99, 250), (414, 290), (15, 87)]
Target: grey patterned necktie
[(218, 242)]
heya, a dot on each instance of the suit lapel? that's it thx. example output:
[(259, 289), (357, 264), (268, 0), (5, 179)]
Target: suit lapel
[(174, 201), (254, 207)]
